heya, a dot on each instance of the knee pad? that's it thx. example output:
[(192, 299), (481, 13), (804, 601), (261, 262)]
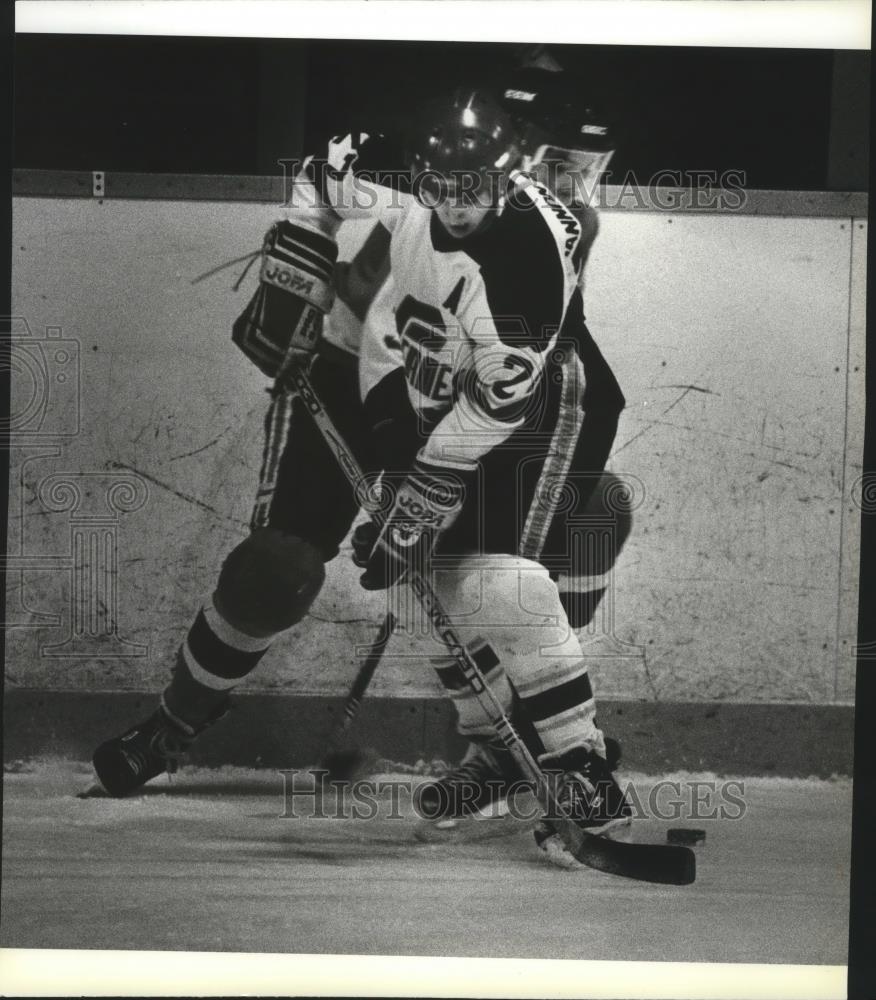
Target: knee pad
[(268, 582), (512, 603)]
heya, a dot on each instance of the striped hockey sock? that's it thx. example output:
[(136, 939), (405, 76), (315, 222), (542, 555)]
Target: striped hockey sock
[(213, 658), (560, 705), (471, 719)]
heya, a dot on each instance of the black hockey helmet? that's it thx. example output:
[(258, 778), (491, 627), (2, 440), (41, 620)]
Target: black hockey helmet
[(550, 108), (465, 133), (566, 144)]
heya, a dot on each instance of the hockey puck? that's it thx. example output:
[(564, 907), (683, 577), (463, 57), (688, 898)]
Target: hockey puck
[(681, 835)]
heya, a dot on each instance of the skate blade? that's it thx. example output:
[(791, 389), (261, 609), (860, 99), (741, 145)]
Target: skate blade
[(497, 822), (94, 791), (556, 852)]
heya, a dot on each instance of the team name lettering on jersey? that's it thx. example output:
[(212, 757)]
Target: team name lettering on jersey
[(568, 221), (427, 361)]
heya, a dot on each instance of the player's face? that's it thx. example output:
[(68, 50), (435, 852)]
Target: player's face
[(463, 212)]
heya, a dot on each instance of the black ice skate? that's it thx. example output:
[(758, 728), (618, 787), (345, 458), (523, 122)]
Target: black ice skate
[(473, 792), (587, 792), (476, 791), (125, 763)]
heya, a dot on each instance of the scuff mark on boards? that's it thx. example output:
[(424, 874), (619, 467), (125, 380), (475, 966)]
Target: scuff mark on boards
[(648, 678), (689, 388), (340, 621), (204, 447), (177, 493), (686, 389), (788, 465)]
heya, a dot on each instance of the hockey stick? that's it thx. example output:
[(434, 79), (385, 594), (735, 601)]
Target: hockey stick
[(366, 671), (341, 763), (338, 763), (663, 863)]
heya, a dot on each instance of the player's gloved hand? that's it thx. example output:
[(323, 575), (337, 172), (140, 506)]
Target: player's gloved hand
[(426, 503), (295, 291)]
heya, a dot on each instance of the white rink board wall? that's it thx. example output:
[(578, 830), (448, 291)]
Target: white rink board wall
[(738, 341)]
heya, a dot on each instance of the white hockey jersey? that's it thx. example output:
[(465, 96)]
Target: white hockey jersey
[(475, 322)]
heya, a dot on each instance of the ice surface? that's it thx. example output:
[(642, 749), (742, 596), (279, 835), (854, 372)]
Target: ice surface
[(206, 862)]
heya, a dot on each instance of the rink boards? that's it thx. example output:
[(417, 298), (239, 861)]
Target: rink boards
[(737, 337)]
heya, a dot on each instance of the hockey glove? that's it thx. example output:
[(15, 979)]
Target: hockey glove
[(427, 502), (295, 291)]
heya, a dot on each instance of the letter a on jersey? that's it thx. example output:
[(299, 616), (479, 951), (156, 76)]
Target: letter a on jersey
[(451, 303)]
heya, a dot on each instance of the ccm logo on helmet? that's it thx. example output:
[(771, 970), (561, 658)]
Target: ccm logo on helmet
[(594, 129), (520, 95)]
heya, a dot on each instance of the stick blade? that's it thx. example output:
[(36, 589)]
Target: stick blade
[(668, 864)]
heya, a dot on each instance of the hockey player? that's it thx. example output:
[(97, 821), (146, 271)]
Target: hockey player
[(566, 148), (484, 290), (493, 240), (304, 505)]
